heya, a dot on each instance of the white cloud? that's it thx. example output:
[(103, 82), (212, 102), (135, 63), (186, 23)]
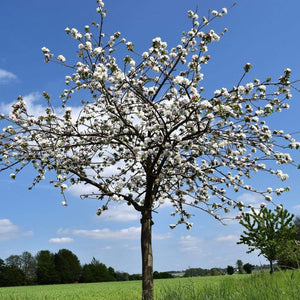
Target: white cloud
[(107, 248), (36, 106), (120, 213), (32, 107), (228, 238), (190, 244), (108, 234), (249, 198), (131, 233), (61, 240), (161, 236), (10, 231), (63, 231), (82, 189), (6, 76), (297, 207)]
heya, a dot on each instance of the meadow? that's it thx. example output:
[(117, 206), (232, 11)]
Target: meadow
[(282, 285)]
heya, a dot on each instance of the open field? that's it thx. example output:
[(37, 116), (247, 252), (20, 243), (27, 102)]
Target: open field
[(280, 286)]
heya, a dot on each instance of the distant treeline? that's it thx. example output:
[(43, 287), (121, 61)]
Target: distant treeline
[(58, 268), (64, 267), (191, 272)]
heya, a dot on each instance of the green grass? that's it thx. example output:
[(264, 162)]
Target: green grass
[(85, 291), (280, 286)]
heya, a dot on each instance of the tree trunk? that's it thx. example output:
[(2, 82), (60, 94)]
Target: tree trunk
[(271, 267), (147, 258)]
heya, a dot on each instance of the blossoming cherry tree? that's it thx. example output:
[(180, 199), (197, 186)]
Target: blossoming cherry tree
[(147, 120)]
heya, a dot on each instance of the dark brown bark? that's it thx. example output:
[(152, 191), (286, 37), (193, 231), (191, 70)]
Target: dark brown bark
[(271, 267), (147, 258)]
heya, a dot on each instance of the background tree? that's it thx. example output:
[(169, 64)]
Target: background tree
[(96, 272), (215, 272), (267, 232), (297, 224), (121, 276), (14, 261), (111, 272), (202, 272), (248, 268), (67, 266), (149, 120), (289, 256), (239, 265), (162, 275), (26, 263), (28, 266), (135, 277), (12, 276), (10, 273), (46, 272), (230, 270), (2, 263)]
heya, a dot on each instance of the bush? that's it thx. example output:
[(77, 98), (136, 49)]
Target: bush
[(230, 270), (248, 268)]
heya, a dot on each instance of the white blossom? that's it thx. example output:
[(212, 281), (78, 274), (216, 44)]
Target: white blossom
[(150, 128), (61, 58)]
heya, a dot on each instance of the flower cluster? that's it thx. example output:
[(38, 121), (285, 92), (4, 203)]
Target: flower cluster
[(148, 134)]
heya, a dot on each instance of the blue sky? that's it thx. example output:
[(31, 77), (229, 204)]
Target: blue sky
[(265, 33)]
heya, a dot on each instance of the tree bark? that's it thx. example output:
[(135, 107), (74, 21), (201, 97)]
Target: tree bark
[(147, 258), (271, 267)]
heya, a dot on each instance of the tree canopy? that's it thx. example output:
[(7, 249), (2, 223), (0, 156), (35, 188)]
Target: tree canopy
[(53, 268), (268, 232), (289, 256), (67, 265), (147, 133)]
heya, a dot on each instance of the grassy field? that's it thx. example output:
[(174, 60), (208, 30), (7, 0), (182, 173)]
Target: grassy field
[(280, 286)]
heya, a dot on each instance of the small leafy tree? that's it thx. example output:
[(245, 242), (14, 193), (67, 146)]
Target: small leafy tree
[(230, 270), (267, 232), (148, 119), (248, 268), (239, 265)]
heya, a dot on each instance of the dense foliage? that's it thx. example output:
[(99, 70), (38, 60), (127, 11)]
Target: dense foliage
[(50, 268), (248, 268), (191, 272), (230, 270), (269, 232), (289, 256), (67, 265), (96, 271)]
